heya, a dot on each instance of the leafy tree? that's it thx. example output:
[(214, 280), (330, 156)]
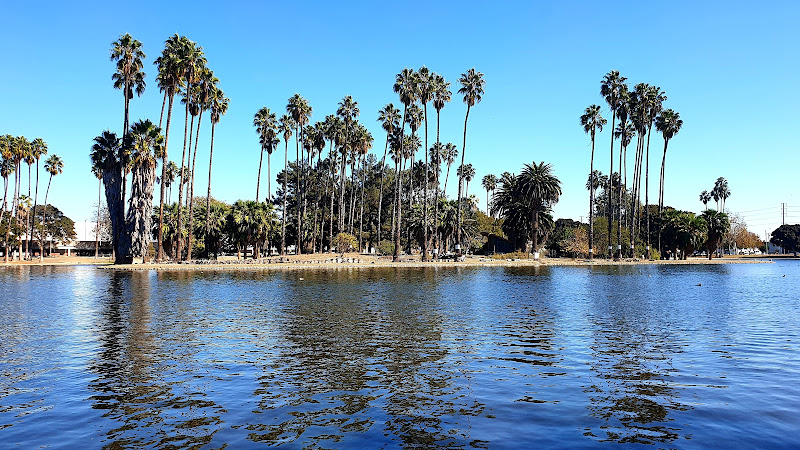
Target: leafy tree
[(787, 237), (345, 243), (717, 225)]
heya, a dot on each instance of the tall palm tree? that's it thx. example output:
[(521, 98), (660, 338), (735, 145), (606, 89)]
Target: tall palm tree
[(405, 88), (266, 127), (348, 111), (592, 122), (334, 130), (146, 143), (425, 89), (54, 166), (108, 155), (7, 167), (489, 182), (389, 117), (467, 172), (38, 149), (610, 88), (169, 79), (721, 192), (129, 77), (205, 85), (669, 124), (705, 197), (285, 127), (625, 132), (365, 141), (219, 106), (300, 111), (441, 96), (192, 63), (655, 100), (472, 88)]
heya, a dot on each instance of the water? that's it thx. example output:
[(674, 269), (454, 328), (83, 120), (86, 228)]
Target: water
[(384, 358)]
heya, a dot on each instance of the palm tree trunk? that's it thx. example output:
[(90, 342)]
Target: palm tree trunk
[(178, 230), (380, 187), (460, 183), (44, 220), (208, 194), (342, 180), (297, 192), (258, 181), (190, 234), (437, 238), (396, 255), (619, 201), (425, 192), (285, 194), (97, 225), (160, 243), (610, 186), (647, 191), (163, 103), (591, 200), (269, 177), (332, 195), (661, 184)]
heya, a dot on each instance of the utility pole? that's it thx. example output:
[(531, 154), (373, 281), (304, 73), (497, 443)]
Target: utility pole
[(783, 213)]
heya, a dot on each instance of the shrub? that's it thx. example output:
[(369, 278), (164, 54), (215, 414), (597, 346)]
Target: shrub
[(345, 242)]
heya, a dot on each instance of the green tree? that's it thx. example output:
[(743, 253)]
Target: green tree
[(129, 77), (489, 182), (389, 117), (300, 111), (787, 237), (592, 121), (218, 104), (404, 87), (717, 225), (668, 123)]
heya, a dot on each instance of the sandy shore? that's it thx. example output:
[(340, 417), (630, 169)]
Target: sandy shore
[(326, 261)]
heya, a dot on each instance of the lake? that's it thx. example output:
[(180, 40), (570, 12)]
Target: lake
[(677, 356)]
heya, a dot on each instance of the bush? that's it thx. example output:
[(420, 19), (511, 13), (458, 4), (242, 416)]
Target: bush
[(514, 255), (386, 247), (345, 243)]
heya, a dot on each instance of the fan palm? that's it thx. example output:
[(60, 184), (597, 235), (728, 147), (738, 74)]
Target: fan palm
[(592, 122), (472, 88), (218, 104), (348, 112), (389, 117), (54, 166), (146, 143), (669, 124), (489, 182), (405, 88), (300, 111), (107, 155), (129, 77), (655, 99), (721, 192), (449, 156), (610, 88), (169, 79), (625, 132), (705, 197), (285, 127), (266, 127), (425, 90), (192, 63)]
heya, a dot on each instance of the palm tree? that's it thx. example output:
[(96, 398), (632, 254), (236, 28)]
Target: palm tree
[(348, 112), (389, 117), (668, 123), (472, 88), (721, 192), (266, 127), (592, 122), (285, 126), (405, 88), (625, 132), (169, 79), (38, 149), (610, 88), (717, 224), (108, 155), (146, 143), (705, 197), (218, 104), (425, 91), (441, 96), (300, 111), (192, 63), (654, 103), (449, 156), (466, 172), (7, 167), (365, 141), (54, 166), (129, 77), (203, 91), (542, 189), (489, 182)]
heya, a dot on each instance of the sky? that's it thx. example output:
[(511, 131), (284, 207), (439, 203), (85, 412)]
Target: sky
[(730, 69)]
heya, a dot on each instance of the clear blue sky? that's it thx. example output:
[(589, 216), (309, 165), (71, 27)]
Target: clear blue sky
[(731, 69)]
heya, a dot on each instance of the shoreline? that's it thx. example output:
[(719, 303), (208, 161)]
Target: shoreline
[(357, 261)]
